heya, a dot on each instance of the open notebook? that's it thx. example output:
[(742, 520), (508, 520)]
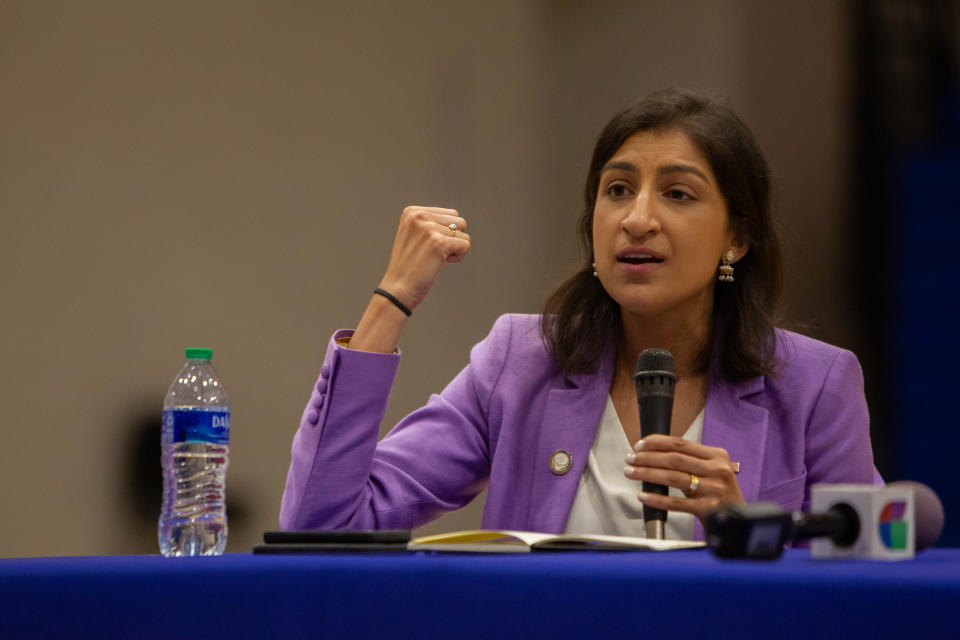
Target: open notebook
[(488, 541)]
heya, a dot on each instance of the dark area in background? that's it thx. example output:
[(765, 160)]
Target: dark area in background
[(907, 163)]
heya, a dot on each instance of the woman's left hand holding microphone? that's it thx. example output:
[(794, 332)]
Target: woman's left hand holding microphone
[(705, 474)]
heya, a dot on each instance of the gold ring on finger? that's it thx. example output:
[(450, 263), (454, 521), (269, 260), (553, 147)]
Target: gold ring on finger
[(453, 229), (694, 485)]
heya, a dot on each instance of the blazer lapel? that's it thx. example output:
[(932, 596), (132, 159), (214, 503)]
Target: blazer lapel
[(570, 420), (731, 421)]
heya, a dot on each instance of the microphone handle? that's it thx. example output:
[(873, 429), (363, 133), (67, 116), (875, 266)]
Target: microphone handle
[(840, 523), (815, 525), (655, 414)]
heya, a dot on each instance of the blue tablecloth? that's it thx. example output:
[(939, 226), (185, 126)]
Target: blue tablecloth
[(682, 594)]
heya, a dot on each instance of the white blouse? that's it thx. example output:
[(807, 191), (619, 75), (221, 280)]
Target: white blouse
[(606, 500)]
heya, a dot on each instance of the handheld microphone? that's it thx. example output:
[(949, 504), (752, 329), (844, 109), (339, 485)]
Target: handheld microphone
[(849, 521), (655, 381)]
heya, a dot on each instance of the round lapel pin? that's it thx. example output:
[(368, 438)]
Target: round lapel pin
[(560, 462)]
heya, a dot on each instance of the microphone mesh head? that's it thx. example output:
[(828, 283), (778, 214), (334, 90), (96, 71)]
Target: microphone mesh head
[(655, 360)]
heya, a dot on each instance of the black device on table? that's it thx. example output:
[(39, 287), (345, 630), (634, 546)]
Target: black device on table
[(335, 541)]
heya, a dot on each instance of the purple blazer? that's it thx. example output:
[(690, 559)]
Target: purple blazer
[(497, 424)]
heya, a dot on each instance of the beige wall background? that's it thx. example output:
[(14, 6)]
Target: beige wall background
[(230, 173)]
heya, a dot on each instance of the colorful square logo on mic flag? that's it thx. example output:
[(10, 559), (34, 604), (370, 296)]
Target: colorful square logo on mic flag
[(887, 528), (893, 526)]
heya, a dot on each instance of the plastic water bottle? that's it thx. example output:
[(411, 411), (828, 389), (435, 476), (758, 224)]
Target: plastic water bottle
[(195, 444)]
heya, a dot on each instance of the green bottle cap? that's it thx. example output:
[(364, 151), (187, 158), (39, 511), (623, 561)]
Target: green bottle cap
[(199, 354)]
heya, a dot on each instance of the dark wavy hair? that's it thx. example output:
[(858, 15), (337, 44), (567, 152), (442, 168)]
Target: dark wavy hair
[(580, 319)]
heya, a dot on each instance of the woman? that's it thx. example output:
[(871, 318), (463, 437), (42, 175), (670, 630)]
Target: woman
[(679, 253)]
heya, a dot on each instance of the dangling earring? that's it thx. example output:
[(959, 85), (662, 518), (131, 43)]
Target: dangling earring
[(726, 269), (595, 270)]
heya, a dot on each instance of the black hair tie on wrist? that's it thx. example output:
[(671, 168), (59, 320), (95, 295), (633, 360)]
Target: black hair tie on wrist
[(389, 296)]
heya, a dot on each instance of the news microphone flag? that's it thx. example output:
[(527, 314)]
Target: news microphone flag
[(887, 523)]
